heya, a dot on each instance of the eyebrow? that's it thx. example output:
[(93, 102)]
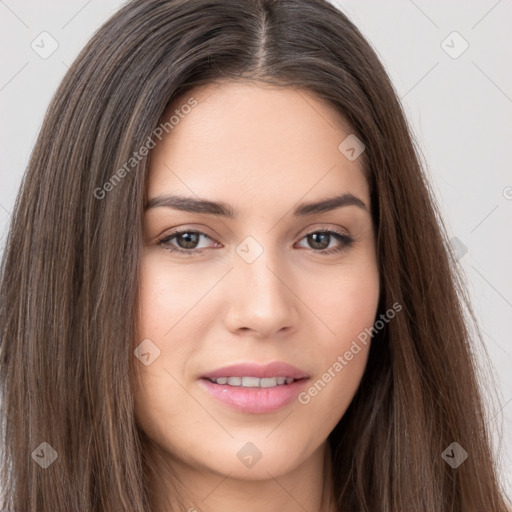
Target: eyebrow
[(220, 208)]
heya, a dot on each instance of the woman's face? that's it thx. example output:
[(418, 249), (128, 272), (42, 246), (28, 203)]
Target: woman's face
[(277, 283)]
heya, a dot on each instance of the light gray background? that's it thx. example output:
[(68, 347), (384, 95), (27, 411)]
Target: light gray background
[(459, 110)]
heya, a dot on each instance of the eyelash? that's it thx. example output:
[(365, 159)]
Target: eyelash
[(345, 239)]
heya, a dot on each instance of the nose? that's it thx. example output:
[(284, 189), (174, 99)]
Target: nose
[(261, 298)]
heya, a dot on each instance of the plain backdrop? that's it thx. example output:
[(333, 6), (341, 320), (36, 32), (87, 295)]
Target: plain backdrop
[(450, 63)]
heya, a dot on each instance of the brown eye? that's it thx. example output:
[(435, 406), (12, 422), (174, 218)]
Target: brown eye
[(320, 241), (186, 241), (190, 239)]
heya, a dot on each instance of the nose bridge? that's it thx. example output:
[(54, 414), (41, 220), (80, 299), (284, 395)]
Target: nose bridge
[(257, 266), (262, 300)]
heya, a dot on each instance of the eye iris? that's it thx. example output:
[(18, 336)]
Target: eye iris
[(191, 240), (313, 239)]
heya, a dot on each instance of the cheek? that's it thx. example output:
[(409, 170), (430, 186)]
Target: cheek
[(160, 308), (347, 306), (354, 310), (169, 294)]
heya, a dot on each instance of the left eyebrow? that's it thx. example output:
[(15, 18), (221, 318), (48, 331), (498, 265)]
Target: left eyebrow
[(327, 205), (193, 205)]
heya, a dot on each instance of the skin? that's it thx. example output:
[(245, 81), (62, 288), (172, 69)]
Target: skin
[(261, 149)]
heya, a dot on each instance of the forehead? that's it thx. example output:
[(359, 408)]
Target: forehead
[(247, 142)]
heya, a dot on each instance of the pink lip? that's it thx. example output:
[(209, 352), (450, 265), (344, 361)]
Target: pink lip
[(255, 400), (277, 369)]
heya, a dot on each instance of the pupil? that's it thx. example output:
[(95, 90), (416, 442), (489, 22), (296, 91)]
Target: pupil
[(189, 244), (315, 242)]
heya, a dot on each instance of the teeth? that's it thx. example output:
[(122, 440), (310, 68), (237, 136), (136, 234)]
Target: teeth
[(250, 382), (253, 382), (267, 382)]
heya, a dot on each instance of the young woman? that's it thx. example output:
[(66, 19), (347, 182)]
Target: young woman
[(226, 285)]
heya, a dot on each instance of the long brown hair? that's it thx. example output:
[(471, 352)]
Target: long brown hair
[(70, 270)]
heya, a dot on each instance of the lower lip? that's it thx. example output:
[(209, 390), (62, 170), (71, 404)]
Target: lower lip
[(255, 400)]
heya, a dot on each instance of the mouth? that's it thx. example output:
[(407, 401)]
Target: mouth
[(253, 388)]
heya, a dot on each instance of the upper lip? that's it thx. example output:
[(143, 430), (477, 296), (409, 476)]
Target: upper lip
[(275, 369)]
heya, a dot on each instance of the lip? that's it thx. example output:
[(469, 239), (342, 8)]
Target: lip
[(276, 369), (255, 400)]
